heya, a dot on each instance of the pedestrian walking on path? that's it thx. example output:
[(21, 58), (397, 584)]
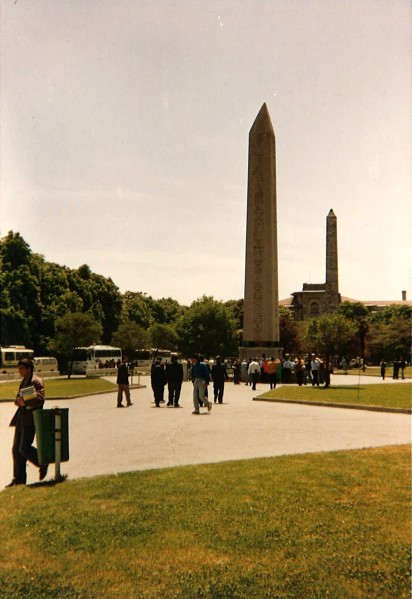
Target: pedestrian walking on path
[(123, 382), (158, 381), (315, 371), (219, 376), (253, 371), (201, 379), (24, 431), (272, 368), (174, 375)]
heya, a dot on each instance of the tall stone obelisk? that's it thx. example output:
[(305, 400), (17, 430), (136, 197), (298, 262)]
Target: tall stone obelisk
[(332, 296), (261, 305), (332, 283)]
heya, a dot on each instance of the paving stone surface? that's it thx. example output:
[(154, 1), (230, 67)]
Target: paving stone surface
[(108, 440)]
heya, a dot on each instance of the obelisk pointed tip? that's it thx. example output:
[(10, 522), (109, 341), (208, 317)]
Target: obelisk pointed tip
[(262, 122), (331, 213)]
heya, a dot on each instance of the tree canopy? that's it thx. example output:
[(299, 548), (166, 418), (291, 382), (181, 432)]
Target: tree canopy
[(207, 327), (40, 300), (36, 293), (75, 329), (329, 335), (131, 336)]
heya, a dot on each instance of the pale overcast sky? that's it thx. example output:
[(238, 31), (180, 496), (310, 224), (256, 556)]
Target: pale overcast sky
[(125, 130)]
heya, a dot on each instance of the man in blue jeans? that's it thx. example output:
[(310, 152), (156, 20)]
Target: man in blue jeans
[(201, 379)]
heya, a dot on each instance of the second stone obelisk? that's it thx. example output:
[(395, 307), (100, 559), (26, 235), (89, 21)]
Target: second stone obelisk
[(261, 306)]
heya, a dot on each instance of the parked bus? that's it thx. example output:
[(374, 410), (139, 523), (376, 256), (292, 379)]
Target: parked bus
[(95, 357), (79, 360), (165, 354), (10, 357), (144, 358)]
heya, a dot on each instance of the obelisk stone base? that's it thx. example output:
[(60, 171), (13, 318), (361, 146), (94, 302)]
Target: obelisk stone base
[(260, 352)]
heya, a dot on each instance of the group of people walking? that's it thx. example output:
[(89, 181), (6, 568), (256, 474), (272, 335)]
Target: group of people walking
[(312, 370), (171, 375), (200, 374), (398, 366)]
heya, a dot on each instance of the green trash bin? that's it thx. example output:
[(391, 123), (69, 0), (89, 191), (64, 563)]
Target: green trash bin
[(44, 422)]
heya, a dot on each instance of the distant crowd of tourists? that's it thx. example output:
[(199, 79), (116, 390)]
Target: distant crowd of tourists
[(301, 370), (399, 366)]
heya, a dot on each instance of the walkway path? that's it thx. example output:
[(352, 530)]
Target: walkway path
[(106, 440)]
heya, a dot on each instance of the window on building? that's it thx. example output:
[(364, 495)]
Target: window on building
[(314, 309)]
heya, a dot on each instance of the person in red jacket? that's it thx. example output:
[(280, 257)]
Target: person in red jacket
[(23, 450)]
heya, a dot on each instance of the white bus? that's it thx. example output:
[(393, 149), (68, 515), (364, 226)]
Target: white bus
[(144, 358), (95, 357), (10, 357), (165, 354)]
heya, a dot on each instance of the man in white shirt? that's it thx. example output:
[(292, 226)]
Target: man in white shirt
[(288, 366), (253, 371), (314, 365)]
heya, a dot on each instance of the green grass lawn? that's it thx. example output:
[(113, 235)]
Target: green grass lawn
[(306, 527), (61, 387), (383, 395)]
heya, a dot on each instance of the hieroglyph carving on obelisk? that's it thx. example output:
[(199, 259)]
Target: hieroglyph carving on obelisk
[(333, 298), (261, 313), (332, 277)]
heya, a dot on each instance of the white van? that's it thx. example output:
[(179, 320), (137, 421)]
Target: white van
[(45, 364)]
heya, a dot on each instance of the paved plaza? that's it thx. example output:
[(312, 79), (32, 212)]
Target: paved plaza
[(106, 440)]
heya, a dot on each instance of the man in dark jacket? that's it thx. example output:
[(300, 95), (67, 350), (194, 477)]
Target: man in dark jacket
[(201, 378), (123, 382), (158, 380), (219, 375), (23, 422), (174, 375)]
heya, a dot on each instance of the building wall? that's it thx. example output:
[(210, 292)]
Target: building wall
[(310, 304)]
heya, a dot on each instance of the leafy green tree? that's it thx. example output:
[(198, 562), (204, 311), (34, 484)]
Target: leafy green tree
[(390, 341), (358, 313), (236, 308), (56, 297), (15, 327), (392, 313), (389, 334), (15, 252), (288, 332), (166, 310), (75, 329), (137, 307), (20, 293), (100, 297), (207, 327), (163, 336), (328, 335), (34, 293), (131, 336)]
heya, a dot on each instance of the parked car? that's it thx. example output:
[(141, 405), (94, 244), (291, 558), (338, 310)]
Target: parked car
[(45, 364)]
